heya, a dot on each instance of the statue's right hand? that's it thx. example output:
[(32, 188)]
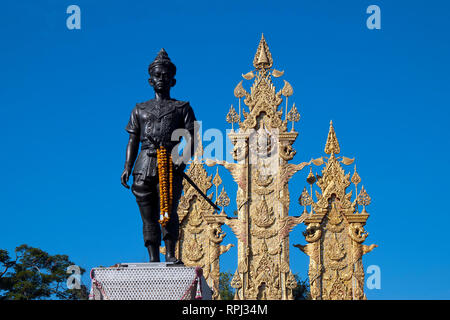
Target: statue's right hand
[(124, 178)]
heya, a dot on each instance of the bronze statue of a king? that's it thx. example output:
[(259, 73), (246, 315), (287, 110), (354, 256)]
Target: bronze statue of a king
[(157, 174)]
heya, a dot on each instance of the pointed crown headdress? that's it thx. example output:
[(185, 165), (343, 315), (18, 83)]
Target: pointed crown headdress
[(163, 59)]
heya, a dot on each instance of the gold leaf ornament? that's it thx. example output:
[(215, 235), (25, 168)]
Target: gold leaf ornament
[(223, 200), (305, 199), (287, 90), (356, 178), (347, 161), (277, 73), (293, 114), (363, 197), (239, 91), (248, 76), (232, 116), (318, 161)]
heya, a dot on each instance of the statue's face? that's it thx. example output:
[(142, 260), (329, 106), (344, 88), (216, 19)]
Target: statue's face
[(161, 79)]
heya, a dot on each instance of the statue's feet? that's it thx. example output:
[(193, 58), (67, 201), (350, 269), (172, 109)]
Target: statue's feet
[(170, 251), (153, 252), (173, 260)]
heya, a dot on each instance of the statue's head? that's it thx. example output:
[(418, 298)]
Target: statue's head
[(162, 72)]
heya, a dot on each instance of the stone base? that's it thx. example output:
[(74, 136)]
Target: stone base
[(149, 281)]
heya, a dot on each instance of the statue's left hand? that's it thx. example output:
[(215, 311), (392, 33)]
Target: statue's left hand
[(124, 178)]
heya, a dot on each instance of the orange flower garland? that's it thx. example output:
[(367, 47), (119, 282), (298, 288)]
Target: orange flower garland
[(165, 173)]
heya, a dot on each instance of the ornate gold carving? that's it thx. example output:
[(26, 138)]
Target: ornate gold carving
[(363, 199), (232, 116), (263, 57), (293, 116), (287, 152), (332, 145), (262, 148), (239, 91), (262, 98), (248, 76), (313, 232), (277, 73), (236, 282), (335, 230), (356, 178), (194, 250), (223, 200), (347, 161), (334, 227), (200, 226), (305, 199), (263, 234), (287, 90), (238, 227), (237, 170), (263, 216), (287, 224)]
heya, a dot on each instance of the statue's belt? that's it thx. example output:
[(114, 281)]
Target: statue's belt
[(150, 147)]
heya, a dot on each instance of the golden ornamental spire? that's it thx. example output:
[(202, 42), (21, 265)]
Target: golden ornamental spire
[(356, 178), (332, 145), (262, 149), (263, 98), (335, 229), (293, 116), (233, 116), (263, 57)]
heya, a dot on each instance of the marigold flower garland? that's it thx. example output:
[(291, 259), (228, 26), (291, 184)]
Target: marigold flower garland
[(165, 173)]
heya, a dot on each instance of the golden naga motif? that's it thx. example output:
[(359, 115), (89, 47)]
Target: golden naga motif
[(262, 149), (201, 234), (335, 229)]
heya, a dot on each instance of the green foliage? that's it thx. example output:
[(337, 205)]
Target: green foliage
[(34, 274), (225, 290), (301, 292)]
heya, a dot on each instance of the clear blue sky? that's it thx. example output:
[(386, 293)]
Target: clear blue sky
[(66, 96)]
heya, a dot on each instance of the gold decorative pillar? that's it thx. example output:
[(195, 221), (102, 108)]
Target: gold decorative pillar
[(201, 234), (262, 149), (335, 228)]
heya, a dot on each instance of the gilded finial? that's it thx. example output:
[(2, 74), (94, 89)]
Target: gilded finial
[(263, 57), (363, 199), (356, 178), (217, 179), (223, 200), (293, 115), (236, 282), (311, 177), (305, 199), (332, 145), (232, 116)]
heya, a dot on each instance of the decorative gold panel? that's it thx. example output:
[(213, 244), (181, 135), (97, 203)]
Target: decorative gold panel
[(335, 229)]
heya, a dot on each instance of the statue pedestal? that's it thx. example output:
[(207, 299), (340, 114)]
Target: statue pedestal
[(149, 281)]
